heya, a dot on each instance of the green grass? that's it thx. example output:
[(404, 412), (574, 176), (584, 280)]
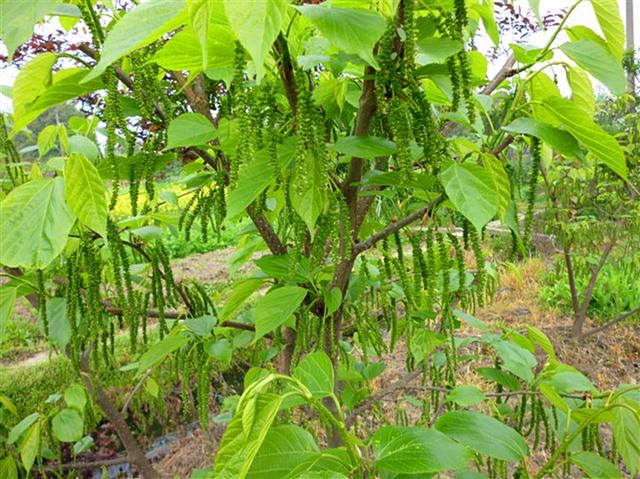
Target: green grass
[(29, 386), (22, 338)]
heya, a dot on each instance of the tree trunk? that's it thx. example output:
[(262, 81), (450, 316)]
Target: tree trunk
[(135, 454)]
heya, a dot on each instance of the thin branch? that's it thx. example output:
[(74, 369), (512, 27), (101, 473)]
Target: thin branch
[(122, 76), (265, 228), (505, 72), (135, 390), (619, 319), (180, 316), (502, 146), (594, 276), (73, 466), (396, 226)]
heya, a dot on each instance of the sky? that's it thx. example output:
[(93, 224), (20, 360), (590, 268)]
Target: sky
[(583, 15)]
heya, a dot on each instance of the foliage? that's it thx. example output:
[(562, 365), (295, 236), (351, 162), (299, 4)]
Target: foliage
[(332, 128)]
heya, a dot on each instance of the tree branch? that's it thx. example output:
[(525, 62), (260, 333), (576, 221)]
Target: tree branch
[(396, 226), (286, 73), (619, 319)]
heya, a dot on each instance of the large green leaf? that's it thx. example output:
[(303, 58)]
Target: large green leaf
[(515, 359), (65, 86), (240, 293), (86, 193), (7, 303), (327, 464), (254, 176), (158, 351), (17, 20), (189, 129), (558, 139), (595, 466), (8, 468), (352, 31), (283, 449), (34, 224), (470, 189), (608, 15), (33, 79), (59, 327), (466, 395), (30, 446), (599, 62), (19, 429), (256, 23), (276, 307), (602, 145), (67, 425), (436, 49), (242, 441), (542, 86), (582, 90), (140, 26), (417, 450), (307, 193), (626, 432), (484, 434), (364, 146), (501, 182), (315, 371), (183, 50)]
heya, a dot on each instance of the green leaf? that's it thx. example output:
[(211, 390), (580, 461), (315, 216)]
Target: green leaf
[(184, 52), (158, 351), (569, 381), (468, 187), (501, 182), (202, 325), (515, 359), (67, 425), (436, 49), (597, 61), (541, 339), (21, 427), (558, 139), (284, 448), (240, 293), (308, 192), (484, 434), (504, 378), (221, 350), (59, 327), (535, 8), (327, 464), (582, 90), (601, 145), (189, 129), (47, 139), (256, 23), (541, 87), (417, 450), (364, 146), (7, 303), (466, 395), (30, 446), (85, 193), (240, 445), (82, 445), (352, 31), (253, 177), (65, 86), (608, 15), (595, 466), (82, 145), (486, 13), (139, 27), (75, 397), (276, 307), (18, 19), (35, 222), (315, 371), (626, 432), (33, 79), (8, 468)]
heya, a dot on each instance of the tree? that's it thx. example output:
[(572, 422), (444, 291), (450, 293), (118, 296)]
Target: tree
[(329, 126)]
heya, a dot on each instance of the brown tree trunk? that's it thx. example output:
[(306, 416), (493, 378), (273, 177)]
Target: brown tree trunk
[(135, 454)]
